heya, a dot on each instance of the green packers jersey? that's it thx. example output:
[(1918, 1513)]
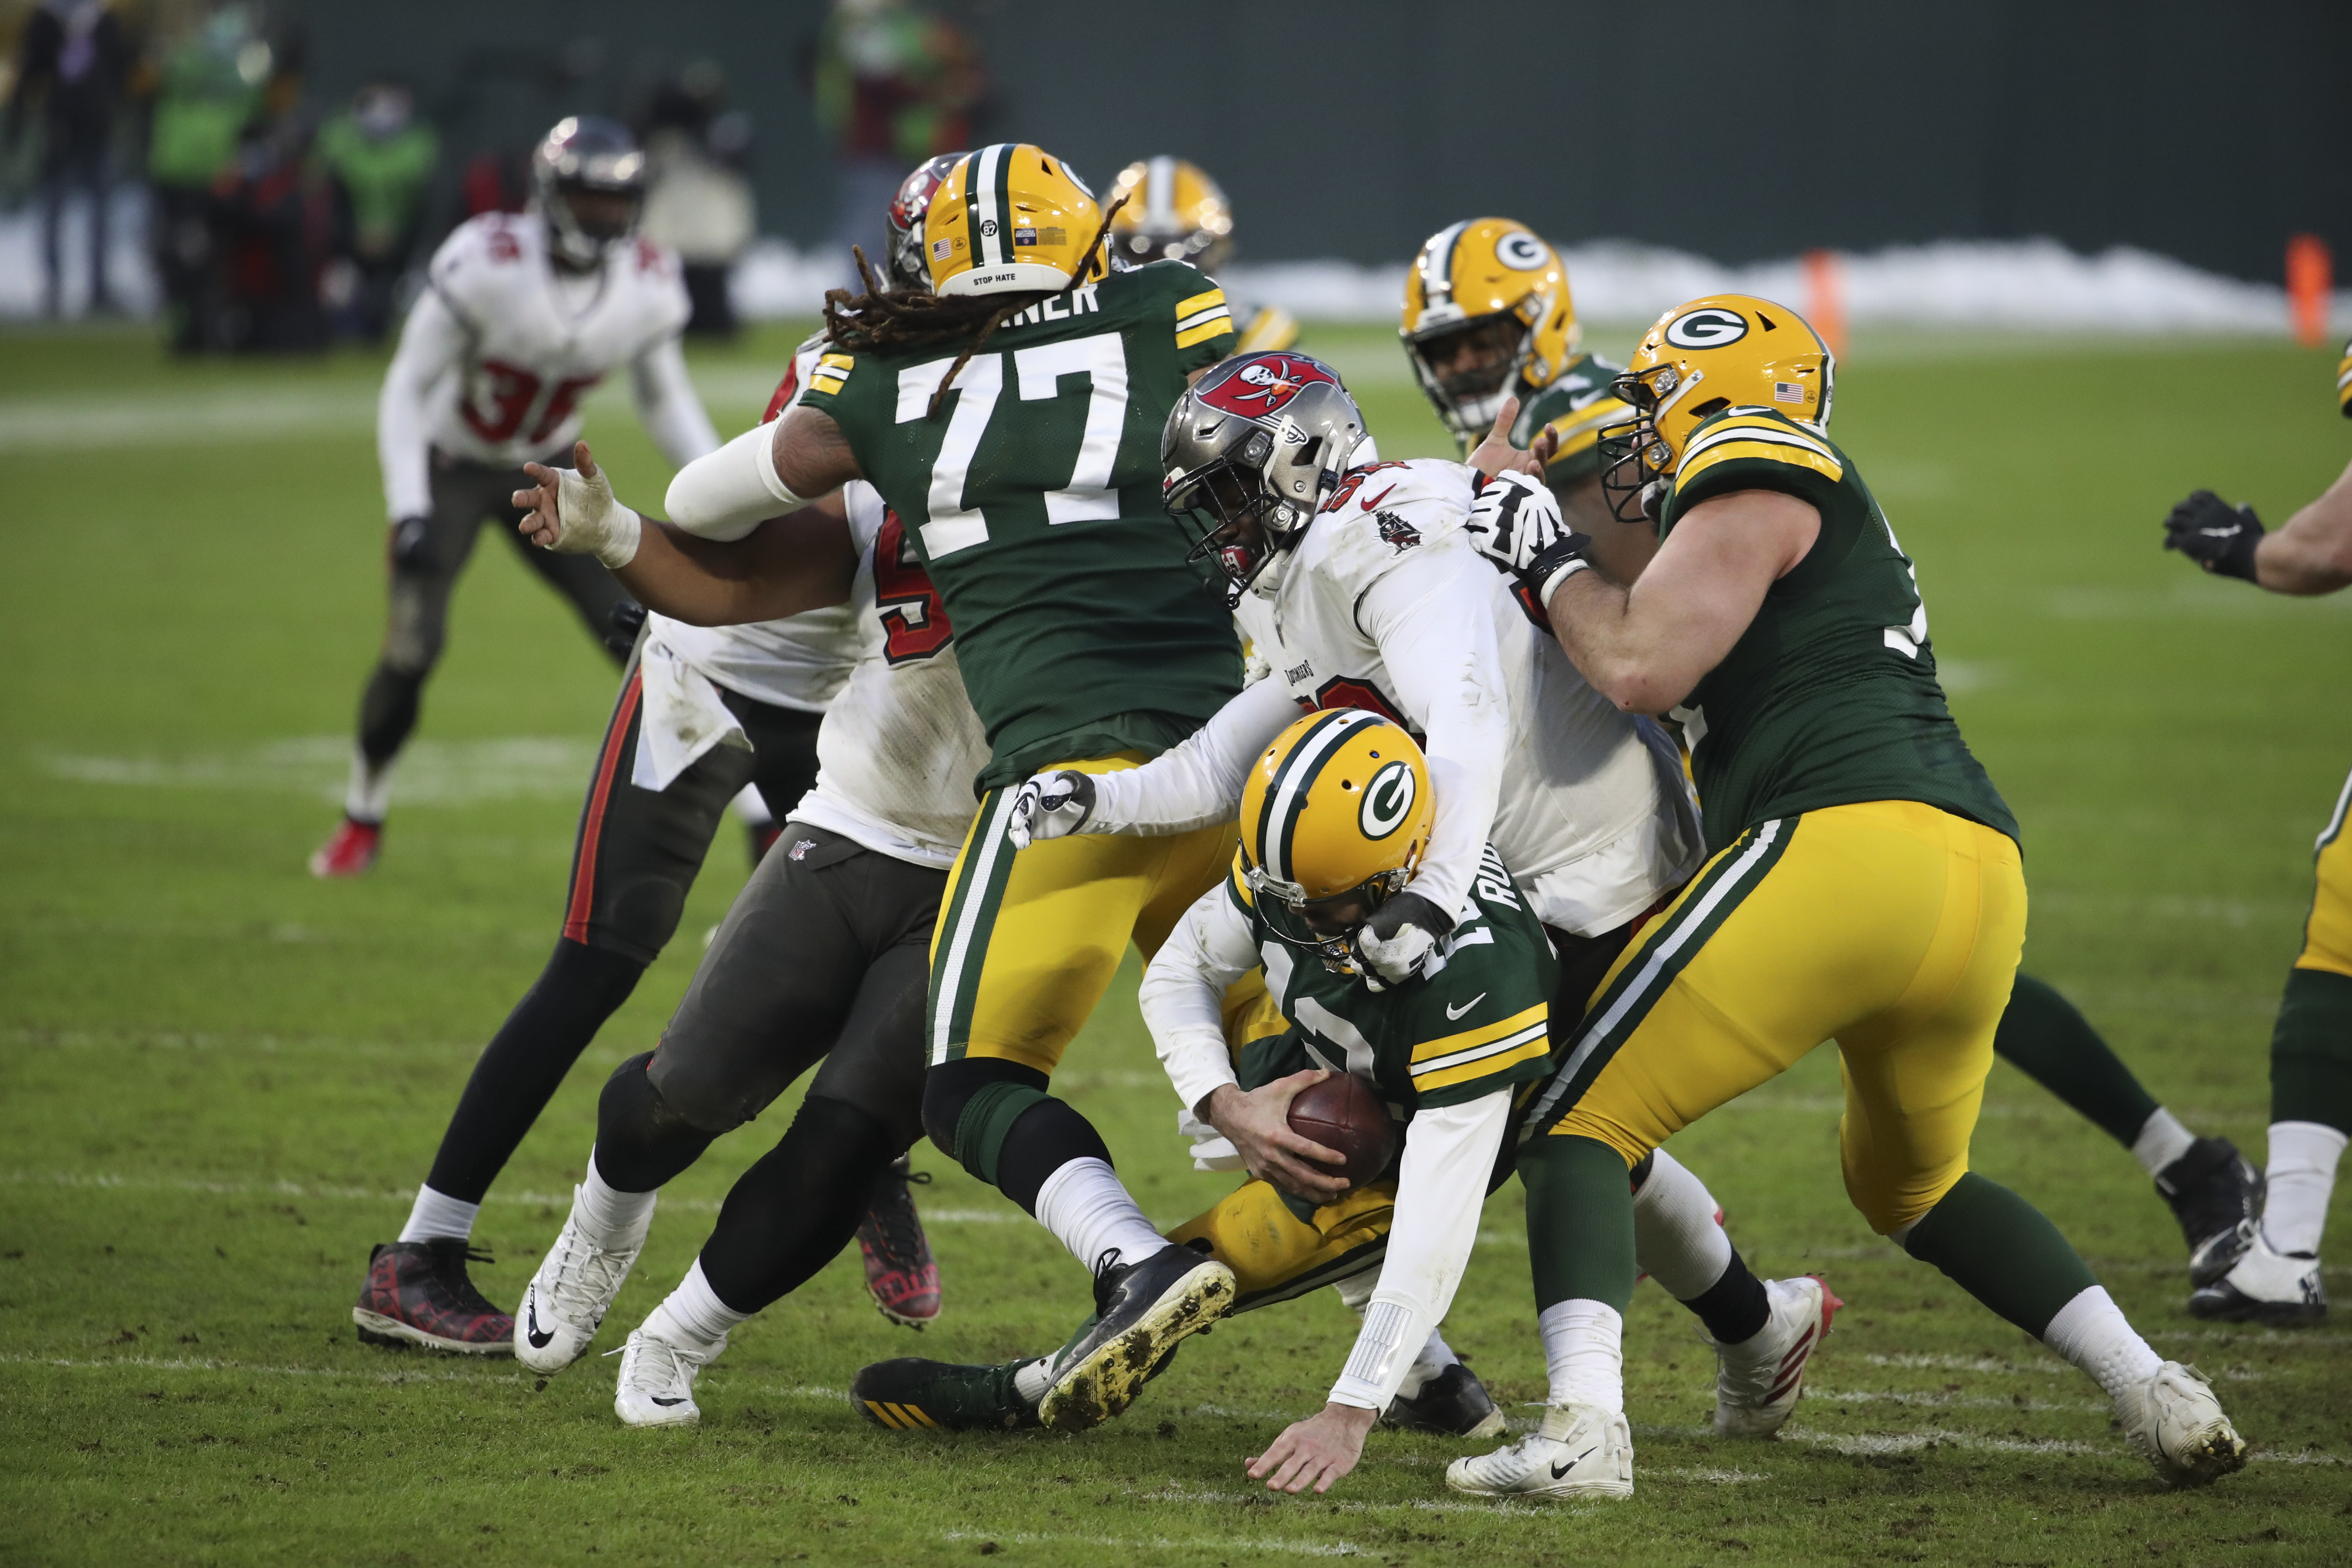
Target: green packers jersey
[(1033, 500), (1574, 406), (1830, 697), (1480, 1023)]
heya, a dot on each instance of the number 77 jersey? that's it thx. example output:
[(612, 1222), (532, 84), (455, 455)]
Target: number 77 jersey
[(1033, 500)]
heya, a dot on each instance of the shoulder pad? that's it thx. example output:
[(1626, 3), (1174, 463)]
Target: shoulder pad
[(1751, 431)]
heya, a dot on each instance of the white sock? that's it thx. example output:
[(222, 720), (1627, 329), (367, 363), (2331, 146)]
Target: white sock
[(1086, 1207), (1435, 1356), (436, 1216), (2091, 1331), (1679, 1237), (613, 1219), (369, 795), (1032, 1381), (1584, 1343), (2301, 1177), (2161, 1141), (692, 1316)]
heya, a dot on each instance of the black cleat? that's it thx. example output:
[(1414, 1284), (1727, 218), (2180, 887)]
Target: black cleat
[(908, 1393), (2216, 1193), (2279, 1289), (417, 1293), (1453, 1404), (1142, 1312)]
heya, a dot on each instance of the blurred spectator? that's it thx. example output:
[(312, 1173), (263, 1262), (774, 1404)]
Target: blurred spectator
[(73, 60), (895, 85), (272, 224), (379, 159), (698, 199), (211, 87)]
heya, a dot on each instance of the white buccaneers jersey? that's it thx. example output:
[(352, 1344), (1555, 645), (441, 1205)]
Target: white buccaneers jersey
[(1592, 814), (540, 339), (799, 661), (900, 745)]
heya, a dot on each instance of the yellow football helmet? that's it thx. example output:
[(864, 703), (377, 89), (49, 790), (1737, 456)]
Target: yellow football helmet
[(1173, 210), (1337, 812), (1010, 219), (1485, 305), (1716, 353)]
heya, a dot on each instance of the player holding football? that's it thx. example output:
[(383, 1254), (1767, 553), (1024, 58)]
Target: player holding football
[(1489, 316), (701, 712), (521, 318), (1010, 420), (2278, 1280), (1866, 884)]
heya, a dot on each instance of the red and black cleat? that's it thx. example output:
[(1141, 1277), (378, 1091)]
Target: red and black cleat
[(352, 852), (417, 1294), (901, 1272)]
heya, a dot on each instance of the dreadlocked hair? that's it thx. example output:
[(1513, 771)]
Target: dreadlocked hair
[(906, 321)]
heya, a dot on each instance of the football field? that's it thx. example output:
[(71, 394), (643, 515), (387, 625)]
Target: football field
[(221, 1080)]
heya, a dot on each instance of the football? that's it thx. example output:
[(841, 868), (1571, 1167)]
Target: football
[(1344, 1115)]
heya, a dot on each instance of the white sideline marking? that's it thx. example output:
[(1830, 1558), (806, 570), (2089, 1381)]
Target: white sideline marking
[(105, 1181)]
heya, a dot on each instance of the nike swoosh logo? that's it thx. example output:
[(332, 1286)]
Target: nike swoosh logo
[(1454, 1013), (1379, 498), (667, 1403), (1559, 1470), (539, 1342)]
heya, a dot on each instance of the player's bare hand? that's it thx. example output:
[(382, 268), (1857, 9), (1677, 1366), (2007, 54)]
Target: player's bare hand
[(1495, 455), (1259, 1124), (1315, 1452)]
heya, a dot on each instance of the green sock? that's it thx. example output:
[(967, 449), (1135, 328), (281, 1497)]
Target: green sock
[(2311, 1050), (2001, 1251), (1579, 1221), (2044, 1038)]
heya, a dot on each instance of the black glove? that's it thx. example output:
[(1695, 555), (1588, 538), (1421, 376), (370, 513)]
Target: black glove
[(2216, 535), (1402, 939)]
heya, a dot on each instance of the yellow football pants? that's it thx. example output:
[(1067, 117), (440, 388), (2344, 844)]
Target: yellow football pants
[(2327, 934), (1890, 927), (1027, 940), (1276, 1256)]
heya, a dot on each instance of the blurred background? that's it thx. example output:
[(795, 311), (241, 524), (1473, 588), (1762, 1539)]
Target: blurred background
[(270, 176)]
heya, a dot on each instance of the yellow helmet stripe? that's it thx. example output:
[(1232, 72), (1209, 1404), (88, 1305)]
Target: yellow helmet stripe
[(987, 204), (1294, 776)]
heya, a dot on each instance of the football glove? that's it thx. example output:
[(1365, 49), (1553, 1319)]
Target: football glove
[(1400, 942), (2216, 535), (1516, 523), (1051, 806)]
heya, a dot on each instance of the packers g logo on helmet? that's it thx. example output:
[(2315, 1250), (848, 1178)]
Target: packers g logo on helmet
[(1010, 219), (1485, 305), (1336, 812), (1701, 357)]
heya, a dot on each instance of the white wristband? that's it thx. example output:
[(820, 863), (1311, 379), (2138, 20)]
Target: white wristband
[(1551, 583), (726, 494)]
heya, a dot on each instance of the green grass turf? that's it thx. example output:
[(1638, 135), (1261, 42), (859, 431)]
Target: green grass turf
[(219, 1080)]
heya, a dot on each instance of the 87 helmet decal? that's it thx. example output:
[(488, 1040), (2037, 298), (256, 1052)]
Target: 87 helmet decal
[(1485, 305), (1719, 351), (586, 152), (1336, 816), (1011, 218), (1173, 210), (903, 228), (1248, 454)]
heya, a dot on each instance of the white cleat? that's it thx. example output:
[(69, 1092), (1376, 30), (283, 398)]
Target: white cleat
[(1759, 1380), (657, 1382), (567, 1298), (2174, 1420), (1580, 1451)]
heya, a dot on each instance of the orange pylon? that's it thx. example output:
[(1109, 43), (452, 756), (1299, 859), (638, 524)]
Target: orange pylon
[(2310, 280), (1825, 298)]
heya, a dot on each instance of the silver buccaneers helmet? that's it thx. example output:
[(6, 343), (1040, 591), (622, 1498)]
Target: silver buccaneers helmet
[(586, 152), (1249, 453), (906, 267)]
